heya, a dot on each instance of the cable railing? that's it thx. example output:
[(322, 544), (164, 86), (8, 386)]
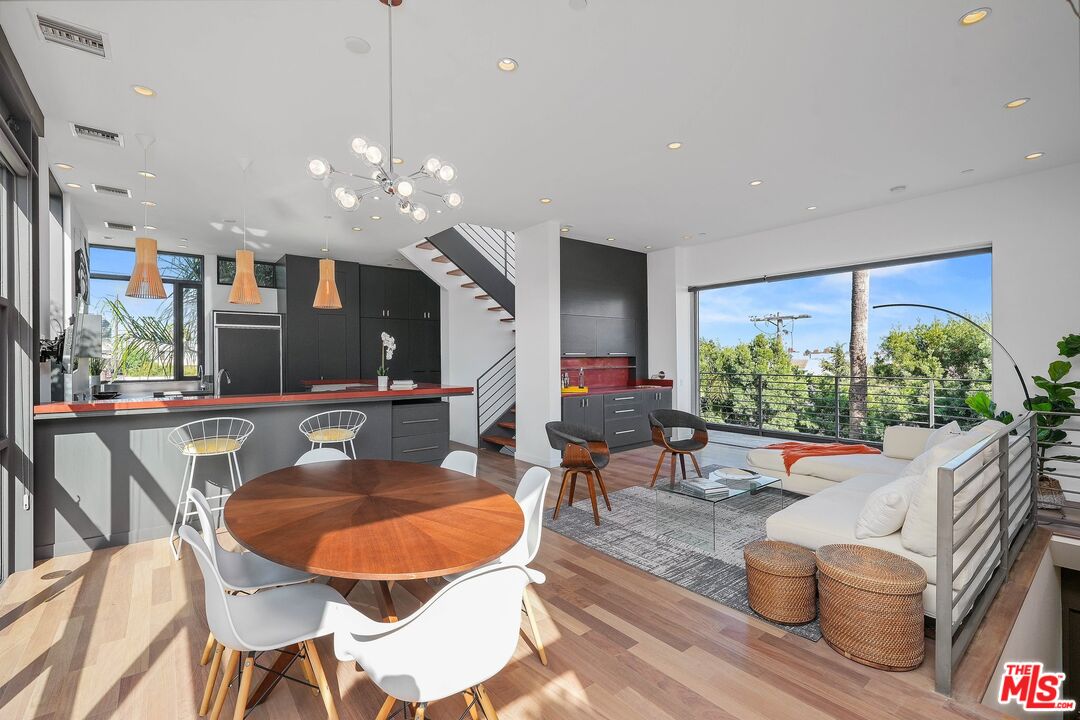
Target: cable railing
[(833, 406), (497, 246), (496, 389)]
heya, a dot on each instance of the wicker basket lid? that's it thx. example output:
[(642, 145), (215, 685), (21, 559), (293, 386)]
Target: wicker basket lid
[(779, 558), (869, 568)]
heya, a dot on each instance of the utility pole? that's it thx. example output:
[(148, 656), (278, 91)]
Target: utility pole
[(781, 325)]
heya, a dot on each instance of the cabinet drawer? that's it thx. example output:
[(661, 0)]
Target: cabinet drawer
[(631, 397), (623, 410), (420, 419), (627, 431), (421, 448)]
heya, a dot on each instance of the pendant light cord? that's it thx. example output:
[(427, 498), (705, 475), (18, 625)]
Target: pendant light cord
[(243, 207), (146, 186), (390, 47)]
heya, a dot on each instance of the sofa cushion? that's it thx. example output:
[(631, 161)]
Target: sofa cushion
[(904, 442), (885, 508), (941, 434), (837, 468), (920, 526)]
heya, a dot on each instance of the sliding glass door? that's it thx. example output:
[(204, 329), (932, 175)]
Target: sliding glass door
[(7, 378)]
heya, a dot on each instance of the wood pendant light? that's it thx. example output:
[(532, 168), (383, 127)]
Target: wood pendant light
[(145, 279), (326, 292), (245, 290)]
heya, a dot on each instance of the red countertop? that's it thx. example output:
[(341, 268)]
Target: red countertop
[(423, 390), (602, 390)]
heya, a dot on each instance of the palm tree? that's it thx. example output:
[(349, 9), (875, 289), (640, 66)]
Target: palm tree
[(860, 304)]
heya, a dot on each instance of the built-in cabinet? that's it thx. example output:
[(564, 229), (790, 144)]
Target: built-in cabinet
[(622, 416), (345, 343)]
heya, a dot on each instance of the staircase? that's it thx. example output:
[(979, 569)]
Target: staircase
[(479, 260)]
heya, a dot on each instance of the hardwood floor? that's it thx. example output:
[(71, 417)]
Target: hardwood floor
[(118, 633)]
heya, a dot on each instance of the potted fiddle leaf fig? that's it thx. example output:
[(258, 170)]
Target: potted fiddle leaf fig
[(1054, 408)]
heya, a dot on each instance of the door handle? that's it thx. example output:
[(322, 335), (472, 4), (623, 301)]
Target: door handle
[(618, 353), (623, 432), (421, 449), (628, 397), (626, 410)]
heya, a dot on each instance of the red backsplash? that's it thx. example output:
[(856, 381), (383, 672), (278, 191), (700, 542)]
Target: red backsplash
[(601, 371)]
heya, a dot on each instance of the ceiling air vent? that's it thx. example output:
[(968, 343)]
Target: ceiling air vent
[(72, 36), (109, 190), (119, 226), (92, 133)]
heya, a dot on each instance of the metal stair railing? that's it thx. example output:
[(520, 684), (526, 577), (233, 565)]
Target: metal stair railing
[(495, 392), (497, 246)]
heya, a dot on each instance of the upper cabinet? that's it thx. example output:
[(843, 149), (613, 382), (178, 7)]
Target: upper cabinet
[(424, 297), (394, 293)]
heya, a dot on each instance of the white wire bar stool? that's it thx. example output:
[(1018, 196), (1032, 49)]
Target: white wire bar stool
[(335, 427), (202, 439)]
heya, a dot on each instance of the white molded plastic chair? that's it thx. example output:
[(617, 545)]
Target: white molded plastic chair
[(333, 427), (319, 455), (268, 620), (462, 461), (457, 640), (207, 438)]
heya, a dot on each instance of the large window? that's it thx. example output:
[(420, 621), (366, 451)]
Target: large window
[(148, 339)]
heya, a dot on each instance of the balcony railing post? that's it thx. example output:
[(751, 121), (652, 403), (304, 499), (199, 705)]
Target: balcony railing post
[(1003, 467), (759, 381), (836, 404), (933, 403)]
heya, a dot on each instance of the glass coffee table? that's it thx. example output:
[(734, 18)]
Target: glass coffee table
[(684, 515)]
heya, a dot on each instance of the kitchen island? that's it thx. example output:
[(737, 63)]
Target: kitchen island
[(105, 473)]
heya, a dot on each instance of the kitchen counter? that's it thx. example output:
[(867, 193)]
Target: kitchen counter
[(617, 389), (144, 404)]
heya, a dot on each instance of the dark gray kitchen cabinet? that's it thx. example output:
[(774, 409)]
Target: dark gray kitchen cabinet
[(385, 292), (423, 351), (657, 399), (424, 297), (617, 337), (587, 411), (578, 335)]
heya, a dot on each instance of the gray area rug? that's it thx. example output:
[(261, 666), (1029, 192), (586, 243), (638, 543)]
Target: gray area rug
[(668, 536)]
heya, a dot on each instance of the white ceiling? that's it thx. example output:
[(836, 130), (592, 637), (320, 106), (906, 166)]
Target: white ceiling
[(830, 102)]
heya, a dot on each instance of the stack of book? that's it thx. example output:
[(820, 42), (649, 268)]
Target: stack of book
[(705, 488), (403, 385)]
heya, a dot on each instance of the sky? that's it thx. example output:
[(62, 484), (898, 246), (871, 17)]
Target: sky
[(961, 284)]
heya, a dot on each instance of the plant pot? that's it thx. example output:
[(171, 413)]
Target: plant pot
[(95, 380), (384, 382)]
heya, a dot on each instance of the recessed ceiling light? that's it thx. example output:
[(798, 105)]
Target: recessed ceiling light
[(147, 174), (564, 228), (546, 201), (611, 239), (74, 186), (687, 237), (898, 188), (969, 170), (674, 145), (376, 217), (974, 16), (1034, 156), (507, 64), (438, 211), (143, 90), (397, 161), (64, 166), (756, 183), (1018, 102), (148, 203), (149, 227), (648, 247), (812, 207), (322, 249), (357, 229), (357, 45)]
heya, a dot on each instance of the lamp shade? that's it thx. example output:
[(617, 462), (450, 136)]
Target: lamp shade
[(326, 294), (245, 291), (145, 279)]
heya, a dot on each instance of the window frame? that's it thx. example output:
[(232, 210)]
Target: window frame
[(225, 260), (178, 287)]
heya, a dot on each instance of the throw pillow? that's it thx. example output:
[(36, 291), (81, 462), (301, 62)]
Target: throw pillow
[(884, 511), (919, 533), (941, 434)]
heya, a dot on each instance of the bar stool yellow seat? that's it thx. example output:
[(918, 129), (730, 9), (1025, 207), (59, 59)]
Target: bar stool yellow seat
[(335, 427)]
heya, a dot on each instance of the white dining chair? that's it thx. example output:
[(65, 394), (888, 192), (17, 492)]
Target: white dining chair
[(462, 461), (334, 427), (245, 625), (319, 455), (456, 641)]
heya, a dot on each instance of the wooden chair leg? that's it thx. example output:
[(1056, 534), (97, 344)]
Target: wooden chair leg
[(659, 464), (696, 466), (470, 703), (672, 469), (421, 711), (603, 488), (211, 681), (573, 487), (309, 673), (562, 492), (682, 462), (387, 707), (211, 643), (232, 661), (320, 677), (245, 687), (592, 497), (537, 640), (485, 703)]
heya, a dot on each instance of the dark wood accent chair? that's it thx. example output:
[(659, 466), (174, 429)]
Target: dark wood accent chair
[(584, 452), (662, 422)]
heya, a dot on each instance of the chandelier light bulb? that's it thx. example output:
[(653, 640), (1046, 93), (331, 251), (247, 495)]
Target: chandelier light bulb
[(404, 207), (358, 145), (346, 198), (432, 165), (419, 214), (404, 187), (318, 168), (446, 172), (453, 200), (374, 155)]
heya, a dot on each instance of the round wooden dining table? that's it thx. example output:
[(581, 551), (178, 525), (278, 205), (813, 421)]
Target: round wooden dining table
[(378, 520)]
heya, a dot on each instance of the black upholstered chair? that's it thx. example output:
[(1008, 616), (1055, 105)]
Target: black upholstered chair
[(584, 452), (662, 422)]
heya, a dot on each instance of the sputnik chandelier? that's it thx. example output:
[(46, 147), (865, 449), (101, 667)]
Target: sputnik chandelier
[(381, 178)]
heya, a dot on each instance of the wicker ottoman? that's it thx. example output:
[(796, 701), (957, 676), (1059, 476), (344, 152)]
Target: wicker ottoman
[(871, 606), (780, 581)]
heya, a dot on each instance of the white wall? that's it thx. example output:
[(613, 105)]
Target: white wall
[(671, 316), (537, 306), (1032, 223)]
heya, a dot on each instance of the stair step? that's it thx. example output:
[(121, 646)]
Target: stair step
[(456, 272), (506, 319), (425, 246), (483, 297), (440, 259), (499, 440), (497, 308), (508, 425), (469, 285)]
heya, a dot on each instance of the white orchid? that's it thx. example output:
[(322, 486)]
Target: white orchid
[(389, 345)]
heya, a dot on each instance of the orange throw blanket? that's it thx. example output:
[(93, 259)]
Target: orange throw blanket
[(795, 451)]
